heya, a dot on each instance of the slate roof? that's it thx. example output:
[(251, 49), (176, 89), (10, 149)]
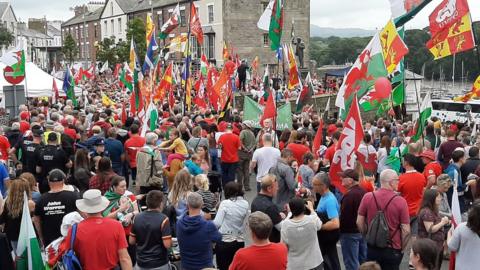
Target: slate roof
[(89, 16)]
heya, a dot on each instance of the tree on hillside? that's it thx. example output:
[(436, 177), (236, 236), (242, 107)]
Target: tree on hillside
[(70, 48)]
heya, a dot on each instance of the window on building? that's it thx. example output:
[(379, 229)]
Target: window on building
[(211, 15), (111, 8), (120, 25), (211, 47), (196, 49), (105, 23), (86, 31), (266, 40), (264, 5), (95, 29), (81, 31), (183, 18)]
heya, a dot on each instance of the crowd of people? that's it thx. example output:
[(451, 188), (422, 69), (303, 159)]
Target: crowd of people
[(127, 197)]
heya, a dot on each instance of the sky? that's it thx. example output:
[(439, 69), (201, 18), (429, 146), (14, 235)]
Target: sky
[(366, 14)]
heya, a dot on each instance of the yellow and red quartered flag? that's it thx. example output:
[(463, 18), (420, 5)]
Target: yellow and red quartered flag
[(457, 38), (225, 51), (475, 92), (165, 84), (393, 47), (293, 78)]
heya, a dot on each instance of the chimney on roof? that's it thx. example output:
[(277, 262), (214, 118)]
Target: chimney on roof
[(79, 10)]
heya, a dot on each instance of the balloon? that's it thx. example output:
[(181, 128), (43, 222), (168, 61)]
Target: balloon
[(383, 87)]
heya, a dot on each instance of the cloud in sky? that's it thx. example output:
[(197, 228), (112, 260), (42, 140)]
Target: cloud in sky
[(369, 14)]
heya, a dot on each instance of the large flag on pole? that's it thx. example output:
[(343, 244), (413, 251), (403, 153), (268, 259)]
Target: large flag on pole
[(347, 145), (196, 25), (165, 84), (69, 86), (425, 113), (15, 63), (368, 67), (149, 59), (171, 24), (276, 25), (149, 30), (28, 248), (394, 49), (404, 10), (451, 29), (264, 21), (293, 76)]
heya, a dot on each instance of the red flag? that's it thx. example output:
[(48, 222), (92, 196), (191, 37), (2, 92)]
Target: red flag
[(317, 141), (270, 111), (352, 136), (133, 111), (222, 81), (171, 99), (78, 76), (196, 25), (55, 91), (447, 13), (124, 113), (117, 70)]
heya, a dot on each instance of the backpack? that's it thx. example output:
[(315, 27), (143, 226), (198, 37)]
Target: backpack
[(69, 259), (378, 233)]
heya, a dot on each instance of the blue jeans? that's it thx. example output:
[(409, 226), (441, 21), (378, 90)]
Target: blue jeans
[(354, 250)]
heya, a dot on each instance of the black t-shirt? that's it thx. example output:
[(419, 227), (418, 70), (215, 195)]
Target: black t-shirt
[(150, 228), (264, 204), (12, 225), (51, 157), (29, 156), (51, 208), (349, 209)]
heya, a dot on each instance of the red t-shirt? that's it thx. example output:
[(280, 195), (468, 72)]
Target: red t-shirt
[(298, 151), (4, 147), (270, 257), (330, 152), (24, 126), (230, 144), (411, 187), (97, 243), (131, 147), (396, 213), (432, 168)]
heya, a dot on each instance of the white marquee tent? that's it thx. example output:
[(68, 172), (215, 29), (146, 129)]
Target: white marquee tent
[(39, 82)]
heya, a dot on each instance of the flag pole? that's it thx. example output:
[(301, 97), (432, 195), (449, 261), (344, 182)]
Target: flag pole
[(418, 104), (187, 63)]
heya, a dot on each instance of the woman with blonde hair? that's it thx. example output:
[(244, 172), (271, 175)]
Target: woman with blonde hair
[(182, 185), (13, 209), (293, 137)]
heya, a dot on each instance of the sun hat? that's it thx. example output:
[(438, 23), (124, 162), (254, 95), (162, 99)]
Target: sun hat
[(92, 202)]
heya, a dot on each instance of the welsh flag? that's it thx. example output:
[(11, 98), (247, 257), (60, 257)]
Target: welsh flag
[(306, 94), (69, 86), (368, 67), (28, 249), (126, 78), (151, 119), (276, 25), (204, 65), (347, 145), (171, 24), (425, 113), (404, 10), (373, 99)]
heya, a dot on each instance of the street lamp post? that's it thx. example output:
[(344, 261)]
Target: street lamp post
[(46, 42)]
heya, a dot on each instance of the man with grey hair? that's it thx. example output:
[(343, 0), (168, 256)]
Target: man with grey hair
[(195, 235), (262, 252), (149, 165), (396, 213), (264, 158)]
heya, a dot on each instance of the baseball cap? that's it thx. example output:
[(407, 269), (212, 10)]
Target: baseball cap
[(56, 175), (99, 141), (349, 173)]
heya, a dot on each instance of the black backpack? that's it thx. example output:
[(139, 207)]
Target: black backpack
[(378, 233)]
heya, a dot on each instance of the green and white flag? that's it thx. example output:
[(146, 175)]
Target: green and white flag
[(405, 10), (28, 248), (151, 118), (425, 113), (252, 112)]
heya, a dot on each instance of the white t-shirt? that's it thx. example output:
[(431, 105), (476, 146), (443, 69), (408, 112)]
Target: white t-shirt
[(266, 158)]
